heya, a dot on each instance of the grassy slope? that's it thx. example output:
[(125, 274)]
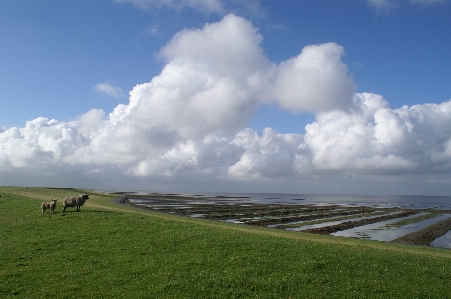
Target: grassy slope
[(109, 251)]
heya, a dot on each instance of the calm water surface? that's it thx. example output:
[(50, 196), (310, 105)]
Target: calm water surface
[(376, 231), (383, 201), (444, 241)]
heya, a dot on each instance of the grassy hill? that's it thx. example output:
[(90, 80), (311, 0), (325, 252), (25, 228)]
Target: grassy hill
[(110, 251)]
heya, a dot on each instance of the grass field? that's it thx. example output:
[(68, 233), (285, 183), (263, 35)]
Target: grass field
[(110, 251)]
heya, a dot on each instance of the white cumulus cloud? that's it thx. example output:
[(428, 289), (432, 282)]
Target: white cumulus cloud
[(315, 80), (379, 138), (190, 121)]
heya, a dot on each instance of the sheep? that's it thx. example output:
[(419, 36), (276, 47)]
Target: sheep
[(49, 205), (75, 201)]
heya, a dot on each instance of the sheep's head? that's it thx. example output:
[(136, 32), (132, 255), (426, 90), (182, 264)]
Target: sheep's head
[(54, 200), (86, 196)]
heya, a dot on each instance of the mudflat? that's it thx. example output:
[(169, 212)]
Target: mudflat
[(332, 218)]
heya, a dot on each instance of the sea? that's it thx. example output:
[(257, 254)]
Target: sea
[(382, 201)]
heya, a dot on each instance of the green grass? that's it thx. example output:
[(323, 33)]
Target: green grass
[(109, 251)]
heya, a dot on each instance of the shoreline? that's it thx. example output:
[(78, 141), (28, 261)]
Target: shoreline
[(231, 209)]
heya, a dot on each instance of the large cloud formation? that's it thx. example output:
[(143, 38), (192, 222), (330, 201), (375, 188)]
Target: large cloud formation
[(191, 119)]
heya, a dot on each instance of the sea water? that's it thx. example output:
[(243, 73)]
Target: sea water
[(376, 201), (377, 231), (443, 241), (382, 201)]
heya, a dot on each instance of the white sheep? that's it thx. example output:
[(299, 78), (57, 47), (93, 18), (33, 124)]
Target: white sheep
[(75, 201), (49, 205)]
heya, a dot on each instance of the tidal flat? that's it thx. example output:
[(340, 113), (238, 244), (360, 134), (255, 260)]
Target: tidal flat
[(414, 226)]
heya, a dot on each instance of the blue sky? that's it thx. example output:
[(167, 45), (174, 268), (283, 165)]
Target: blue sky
[(68, 66)]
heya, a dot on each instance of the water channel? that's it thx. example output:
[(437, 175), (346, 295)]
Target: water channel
[(380, 232)]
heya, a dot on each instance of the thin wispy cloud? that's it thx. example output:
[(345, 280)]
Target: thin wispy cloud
[(154, 31), (202, 5), (382, 5), (428, 2), (388, 5), (109, 90)]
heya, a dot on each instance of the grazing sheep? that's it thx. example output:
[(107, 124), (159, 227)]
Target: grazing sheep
[(75, 201), (49, 205)]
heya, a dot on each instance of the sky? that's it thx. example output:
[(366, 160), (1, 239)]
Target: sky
[(324, 97)]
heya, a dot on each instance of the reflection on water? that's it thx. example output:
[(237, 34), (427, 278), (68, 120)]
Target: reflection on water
[(330, 223), (197, 215), (383, 201), (443, 242), (233, 221), (302, 212), (370, 231), (300, 223)]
